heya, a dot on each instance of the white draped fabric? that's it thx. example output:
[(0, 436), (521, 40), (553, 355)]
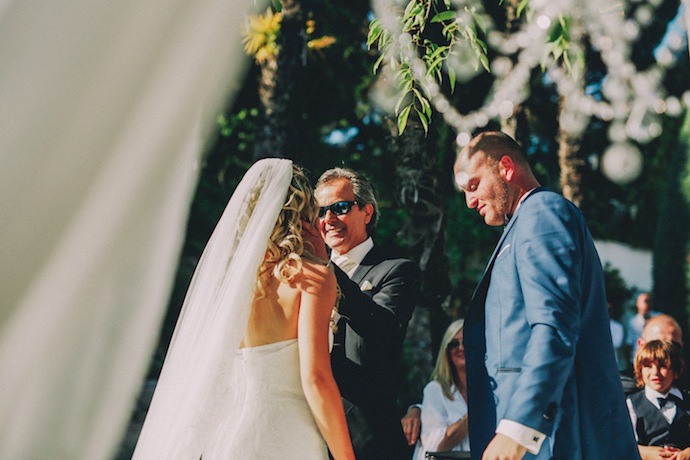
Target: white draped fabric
[(105, 110)]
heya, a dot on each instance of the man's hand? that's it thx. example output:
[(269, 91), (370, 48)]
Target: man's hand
[(313, 242), (412, 424), (502, 447)]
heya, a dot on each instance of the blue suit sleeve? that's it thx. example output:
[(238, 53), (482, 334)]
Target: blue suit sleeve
[(549, 259)]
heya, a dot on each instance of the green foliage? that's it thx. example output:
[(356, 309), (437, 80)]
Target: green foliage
[(560, 48), (431, 31), (672, 246), (559, 44), (617, 291)]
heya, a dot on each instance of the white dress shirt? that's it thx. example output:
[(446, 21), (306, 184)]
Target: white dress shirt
[(349, 261), (439, 412)]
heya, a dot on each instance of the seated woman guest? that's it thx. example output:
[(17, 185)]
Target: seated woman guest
[(660, 412), (444, 413)]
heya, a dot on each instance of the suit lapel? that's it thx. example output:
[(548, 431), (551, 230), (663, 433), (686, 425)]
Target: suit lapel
[(482, 287), (484, 283), (370, 260)]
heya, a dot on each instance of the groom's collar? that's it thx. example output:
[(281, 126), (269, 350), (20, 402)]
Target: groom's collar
[(522, 198)]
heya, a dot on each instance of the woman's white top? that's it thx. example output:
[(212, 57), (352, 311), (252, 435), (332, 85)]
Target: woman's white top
[(437, 413)]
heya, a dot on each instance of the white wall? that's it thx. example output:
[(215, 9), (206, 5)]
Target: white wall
[(635, 265)]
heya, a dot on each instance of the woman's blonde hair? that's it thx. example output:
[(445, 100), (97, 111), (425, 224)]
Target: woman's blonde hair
[(660, 352), (444, 371), (285, 249)]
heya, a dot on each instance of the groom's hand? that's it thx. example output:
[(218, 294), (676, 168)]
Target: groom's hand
[(313, 241), (502, 447)]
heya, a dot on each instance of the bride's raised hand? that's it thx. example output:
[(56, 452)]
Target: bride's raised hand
[(313, 241)]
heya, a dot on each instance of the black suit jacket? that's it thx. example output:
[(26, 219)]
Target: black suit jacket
[(376, 306)]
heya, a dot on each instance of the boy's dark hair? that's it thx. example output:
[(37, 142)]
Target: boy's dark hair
[(660, 352)]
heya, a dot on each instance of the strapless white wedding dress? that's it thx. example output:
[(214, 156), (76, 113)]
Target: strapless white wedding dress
[(274, 418)]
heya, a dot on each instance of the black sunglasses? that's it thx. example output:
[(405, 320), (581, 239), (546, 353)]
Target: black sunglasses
[(338, 208), (453, 345)]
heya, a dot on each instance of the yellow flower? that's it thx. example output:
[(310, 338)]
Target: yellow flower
[(260, 38)]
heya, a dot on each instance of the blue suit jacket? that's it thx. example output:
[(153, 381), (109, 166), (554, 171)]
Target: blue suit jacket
[(537, 339)]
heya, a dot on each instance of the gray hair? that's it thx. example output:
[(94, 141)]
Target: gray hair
[(361, 187)]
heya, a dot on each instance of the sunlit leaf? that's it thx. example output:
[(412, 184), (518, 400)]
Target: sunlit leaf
[(378, 62), (402, 119), (451, 78), (375, 31), (426, 106), (449, 30), (521, 7), (417, 94), (444, 16), (401, 99), (478, 19), (485, 62), (482, 45), (423, 119)]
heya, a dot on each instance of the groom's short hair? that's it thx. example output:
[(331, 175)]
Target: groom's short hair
[(495, 144)]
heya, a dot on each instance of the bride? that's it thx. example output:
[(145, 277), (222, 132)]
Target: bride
[(248, 374)]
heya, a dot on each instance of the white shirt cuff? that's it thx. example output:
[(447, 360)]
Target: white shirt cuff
[(528, 437)]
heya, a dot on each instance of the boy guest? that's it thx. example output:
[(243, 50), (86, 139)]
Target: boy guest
[(660, 412)]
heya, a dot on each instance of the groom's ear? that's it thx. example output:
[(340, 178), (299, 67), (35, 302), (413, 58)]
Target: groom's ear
[(506, 168)]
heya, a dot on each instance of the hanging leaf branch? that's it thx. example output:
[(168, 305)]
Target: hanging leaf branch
[(418, 41), (560, 42)]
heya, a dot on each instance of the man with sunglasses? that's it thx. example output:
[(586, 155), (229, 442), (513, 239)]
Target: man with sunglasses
[(379, 294)]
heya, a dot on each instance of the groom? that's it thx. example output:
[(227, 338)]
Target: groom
[(378, 296), (541, 372)]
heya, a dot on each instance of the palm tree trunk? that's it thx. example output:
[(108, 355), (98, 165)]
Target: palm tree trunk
[(570, 161), (419, 192), (279, 88), (512, 125)]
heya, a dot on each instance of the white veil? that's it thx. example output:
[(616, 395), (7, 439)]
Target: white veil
[(195, 381)]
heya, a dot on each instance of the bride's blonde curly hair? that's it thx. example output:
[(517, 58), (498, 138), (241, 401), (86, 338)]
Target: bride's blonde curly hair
[(286, 249)]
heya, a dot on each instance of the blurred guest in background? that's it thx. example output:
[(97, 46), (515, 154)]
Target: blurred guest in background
[(444, 417), (660, 413), (636, 323)]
